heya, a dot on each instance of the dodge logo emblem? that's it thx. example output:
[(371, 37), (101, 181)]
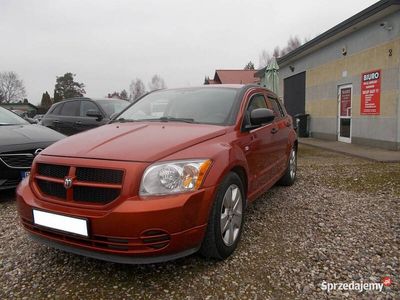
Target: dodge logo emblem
[(37, 151), (67, 182)]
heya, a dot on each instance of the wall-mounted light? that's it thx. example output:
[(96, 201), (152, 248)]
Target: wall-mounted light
[(291, 68), (344, 50)]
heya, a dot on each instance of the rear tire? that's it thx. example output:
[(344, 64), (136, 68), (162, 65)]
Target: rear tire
[(226, 219), (289, 177)]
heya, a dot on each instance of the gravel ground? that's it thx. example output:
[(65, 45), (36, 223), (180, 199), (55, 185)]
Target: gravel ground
[(340, 222)]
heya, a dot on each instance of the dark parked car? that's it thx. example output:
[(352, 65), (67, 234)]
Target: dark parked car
[(169, 176), (20, 142), (79, 114)]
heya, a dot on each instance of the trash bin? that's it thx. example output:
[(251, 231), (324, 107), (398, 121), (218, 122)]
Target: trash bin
[(303, 125)]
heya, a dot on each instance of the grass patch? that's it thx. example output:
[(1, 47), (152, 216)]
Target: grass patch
[(369, 178)]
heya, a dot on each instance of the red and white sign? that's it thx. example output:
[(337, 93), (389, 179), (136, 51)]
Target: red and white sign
[(370, 92)]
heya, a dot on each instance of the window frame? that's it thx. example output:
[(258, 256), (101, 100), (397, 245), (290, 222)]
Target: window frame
[(69, 102), (245, 120), (279, 113), (92, 102)]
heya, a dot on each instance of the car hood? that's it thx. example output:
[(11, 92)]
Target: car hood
[(21, 137), (139, 141)]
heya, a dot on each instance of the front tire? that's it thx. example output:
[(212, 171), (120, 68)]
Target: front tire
[(226, 219), (289, 177)]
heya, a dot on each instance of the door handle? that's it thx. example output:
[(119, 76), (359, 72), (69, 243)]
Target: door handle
[(274, 130), (56, 121), (78, 123)]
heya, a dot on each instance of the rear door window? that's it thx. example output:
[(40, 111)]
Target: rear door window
[(87, 105), (71, 108), (56, 110)]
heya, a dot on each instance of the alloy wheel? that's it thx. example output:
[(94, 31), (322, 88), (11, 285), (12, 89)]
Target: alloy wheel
[(231, 215), (292, 164)]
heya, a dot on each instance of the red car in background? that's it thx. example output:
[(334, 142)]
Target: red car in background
[(170, 176)]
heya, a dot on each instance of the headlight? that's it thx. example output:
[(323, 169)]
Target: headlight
[(173, 177)]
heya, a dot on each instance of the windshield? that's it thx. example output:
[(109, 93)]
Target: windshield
[(9, 118), (112, 106), (197, 105)]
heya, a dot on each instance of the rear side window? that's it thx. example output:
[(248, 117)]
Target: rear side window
[(87, 105), (56, 109), (276, 107), (71, 108)]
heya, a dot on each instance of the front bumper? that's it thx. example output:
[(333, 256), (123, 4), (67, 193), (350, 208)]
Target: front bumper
[(132, 231)]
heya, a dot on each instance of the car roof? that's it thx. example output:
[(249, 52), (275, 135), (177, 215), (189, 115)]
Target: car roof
[(206, 86), (89, 98), (240, 87)]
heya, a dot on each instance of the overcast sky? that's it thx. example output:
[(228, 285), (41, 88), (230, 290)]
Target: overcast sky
[(109, 43)]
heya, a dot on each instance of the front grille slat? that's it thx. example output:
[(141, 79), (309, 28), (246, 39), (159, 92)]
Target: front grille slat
[(53, 170), (80, 193), (52, 189), (99, 175), (95, 195)]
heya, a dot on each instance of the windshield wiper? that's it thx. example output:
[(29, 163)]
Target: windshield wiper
[(122, 120), (162, 119), (166, 119)]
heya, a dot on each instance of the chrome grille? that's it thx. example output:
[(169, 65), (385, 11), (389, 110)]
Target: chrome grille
[(17, 160)]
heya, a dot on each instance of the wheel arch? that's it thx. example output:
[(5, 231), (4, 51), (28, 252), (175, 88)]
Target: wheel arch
[(241, 172)]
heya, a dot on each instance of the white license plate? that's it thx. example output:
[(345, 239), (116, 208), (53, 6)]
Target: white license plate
[(59, 222)]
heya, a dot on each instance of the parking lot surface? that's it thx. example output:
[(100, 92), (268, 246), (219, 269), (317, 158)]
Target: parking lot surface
[(339, 223)]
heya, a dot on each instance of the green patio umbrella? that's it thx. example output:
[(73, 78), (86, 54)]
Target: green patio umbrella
[(271, 79)]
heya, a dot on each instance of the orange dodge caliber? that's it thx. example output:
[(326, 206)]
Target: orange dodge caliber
[(169, 176)]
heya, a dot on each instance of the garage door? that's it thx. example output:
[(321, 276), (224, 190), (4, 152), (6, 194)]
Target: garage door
[(295, 93)]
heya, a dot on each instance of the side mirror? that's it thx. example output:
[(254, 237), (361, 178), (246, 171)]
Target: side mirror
[(94, 113), (261, 116)]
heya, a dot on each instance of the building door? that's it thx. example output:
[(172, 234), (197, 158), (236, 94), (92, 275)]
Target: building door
[(344, 113), (294, 94)]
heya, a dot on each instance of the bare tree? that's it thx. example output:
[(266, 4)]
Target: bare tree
[(292, 43), (265, 56), (11, 87), (156, 83), (277, 52), (136, 89)]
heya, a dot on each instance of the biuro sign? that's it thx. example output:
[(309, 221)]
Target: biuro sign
[(370, 93)]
